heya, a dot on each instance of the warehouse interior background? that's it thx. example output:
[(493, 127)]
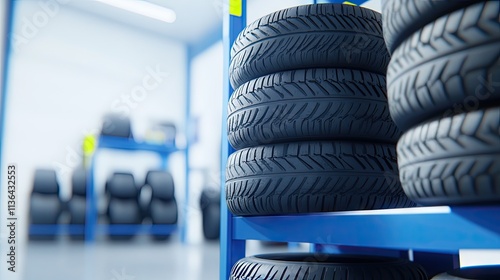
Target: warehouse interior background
[(72, 62)]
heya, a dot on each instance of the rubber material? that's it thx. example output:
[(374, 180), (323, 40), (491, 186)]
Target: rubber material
[(314, 104), (45, 182), (44, 208), (79, 182), (210, 209), (401, 18), (162, 185), (117, 126), (123, 212), (454, 160), (310, 36), (209, 196), (307, 177), (325, 267), (211, 222), (163, 213), (122, 185), (77, 206), (490, 272), (450, 66), (45, 204)]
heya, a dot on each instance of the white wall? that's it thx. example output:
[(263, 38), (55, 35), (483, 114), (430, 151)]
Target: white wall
[(206, 109), (66, 73)]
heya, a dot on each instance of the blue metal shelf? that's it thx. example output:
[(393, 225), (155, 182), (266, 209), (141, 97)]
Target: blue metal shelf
[(433, 234), (119, 143), (61, 229), (128, 144), (66, 229), (433, 229)]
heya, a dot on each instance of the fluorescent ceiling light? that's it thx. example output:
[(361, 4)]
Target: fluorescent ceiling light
[(143, 8)]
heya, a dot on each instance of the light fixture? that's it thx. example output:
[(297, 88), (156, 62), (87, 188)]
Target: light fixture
[(143, 8)]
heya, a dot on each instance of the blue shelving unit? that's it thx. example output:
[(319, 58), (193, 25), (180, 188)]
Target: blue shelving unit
[(431, 236), (92, 227), (126, 144)]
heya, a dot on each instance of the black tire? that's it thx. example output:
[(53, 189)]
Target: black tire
[(123, 207), (489, 272), (79, 182), (209, 196), (45, 209), (325, 267), (454, 160), (210, 210), (122, 185), (163, 213), (162, 185), (117, 126), (314, 104), (45, 204), (450, 66), (307, 177), (77, 212), (310, 36), (211, 222), (401, 18), (45, 182)]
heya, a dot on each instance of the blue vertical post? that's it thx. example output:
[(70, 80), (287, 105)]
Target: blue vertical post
[(187, 132), (231, 250), (91, 205)]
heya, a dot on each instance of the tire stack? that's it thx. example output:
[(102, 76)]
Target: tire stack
[(309, 115), (210, 213), (310, 122), (162, 208), (123, 206), (46, 205), (444, 93), (77, 205)]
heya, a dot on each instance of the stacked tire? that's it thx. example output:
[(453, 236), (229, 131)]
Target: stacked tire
[(162, 208), (210, 211), (46, 205), (77, 205), (310, 122), (444, 93), (309, 115), (123, 205)]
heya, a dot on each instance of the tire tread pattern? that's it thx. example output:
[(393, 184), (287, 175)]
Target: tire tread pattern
[(304, 177), (450, 66), (319, 104), (311, 36), (454, 160), (253, 268), (401, 18)]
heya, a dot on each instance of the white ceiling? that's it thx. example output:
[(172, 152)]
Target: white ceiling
[(196, 19)]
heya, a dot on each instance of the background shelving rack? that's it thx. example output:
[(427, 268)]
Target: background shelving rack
[(431, 236), (116, 143), (91, 228)]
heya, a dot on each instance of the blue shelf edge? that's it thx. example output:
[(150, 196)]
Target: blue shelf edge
[(102, 229), (431, 229), (120, 143)]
